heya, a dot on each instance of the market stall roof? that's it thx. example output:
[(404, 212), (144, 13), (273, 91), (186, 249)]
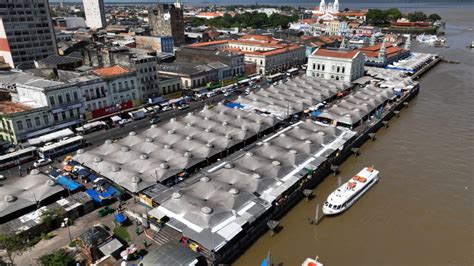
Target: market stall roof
[(140, 160), (24, 192), (293, 96), (212, 207)]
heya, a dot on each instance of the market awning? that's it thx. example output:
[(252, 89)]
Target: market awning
[(52, 136)]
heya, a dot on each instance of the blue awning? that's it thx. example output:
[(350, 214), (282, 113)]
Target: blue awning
[(55, 173), (315, 113), (68, 183), (120, 218), (83, 172), (94, 195), (234, 105)]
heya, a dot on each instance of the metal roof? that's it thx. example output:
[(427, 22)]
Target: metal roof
[(25, 191), (140, 160), (292, 96), (212, 207)]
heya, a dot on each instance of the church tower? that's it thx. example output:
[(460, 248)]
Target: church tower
[(336, 6), (322, 6), (408, 43)]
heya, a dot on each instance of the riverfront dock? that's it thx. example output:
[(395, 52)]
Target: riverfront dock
[(248, 167)]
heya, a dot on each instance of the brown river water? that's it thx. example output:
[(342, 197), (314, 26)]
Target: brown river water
[(421, 212)]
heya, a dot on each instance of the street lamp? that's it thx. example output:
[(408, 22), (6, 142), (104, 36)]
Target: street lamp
[(66, 221)]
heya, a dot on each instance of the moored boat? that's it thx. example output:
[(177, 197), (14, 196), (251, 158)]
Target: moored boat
[(345, 195), (312, 262)]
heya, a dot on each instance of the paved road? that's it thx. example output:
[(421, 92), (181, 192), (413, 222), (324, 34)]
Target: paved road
[(98, 138)]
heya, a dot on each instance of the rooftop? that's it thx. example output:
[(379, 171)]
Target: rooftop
[(216, 205), (141, 160), (110, 71), (24, 192), (8, 107), (293, 96), (336, 53)]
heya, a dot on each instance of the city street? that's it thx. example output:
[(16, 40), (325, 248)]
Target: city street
[(98, 138)]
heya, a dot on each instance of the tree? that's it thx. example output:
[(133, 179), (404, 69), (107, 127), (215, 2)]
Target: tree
[(434, 17), (393, 14), (13, 245), (376, 16), (417, 16), (57, 258)]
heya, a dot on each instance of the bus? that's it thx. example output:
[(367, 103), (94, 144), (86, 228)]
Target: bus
[(244, 82), (275, 77), (17, 157), (62, 147), (292, 72)]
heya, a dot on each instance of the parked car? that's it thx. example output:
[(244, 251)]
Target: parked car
[(166, 108), (124, 121), (184, 106), (155, 120), (42, 162)]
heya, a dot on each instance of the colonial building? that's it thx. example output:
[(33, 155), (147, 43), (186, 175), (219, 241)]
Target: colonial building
[(269, 55), (383, 54), (336, 65)]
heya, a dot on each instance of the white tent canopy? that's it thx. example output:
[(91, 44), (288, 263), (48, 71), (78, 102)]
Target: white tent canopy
[(51, 136)]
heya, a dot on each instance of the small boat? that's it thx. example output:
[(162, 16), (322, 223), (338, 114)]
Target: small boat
[(428, 38), (345, 195), (312, 262)]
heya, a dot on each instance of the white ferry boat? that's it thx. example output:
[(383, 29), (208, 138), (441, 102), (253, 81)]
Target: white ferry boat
[(429, 39), (344, 196), (312, 262)]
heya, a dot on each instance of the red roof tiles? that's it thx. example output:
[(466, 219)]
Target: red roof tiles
[(8, 107), (336, 54), (110, 71)]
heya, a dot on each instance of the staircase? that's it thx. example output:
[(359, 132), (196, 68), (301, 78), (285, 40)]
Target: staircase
[(165, 235)]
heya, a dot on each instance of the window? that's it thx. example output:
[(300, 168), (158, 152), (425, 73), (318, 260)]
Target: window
[(338, 69), (76, 98), (114, 89), (319, 66), (37, 121), (71, 113), (60, 99), (343, 69), (51, 100), (19, 125), (68, 97), (46, 119), (314, 66), (63, 115), (56, 117), (28, 123)]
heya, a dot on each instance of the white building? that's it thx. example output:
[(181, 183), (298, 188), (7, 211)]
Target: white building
[(95, 13), (336, 65)]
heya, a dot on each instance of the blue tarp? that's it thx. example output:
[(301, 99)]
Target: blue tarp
[(315, 113), (91, 178), (73, 163), (94, 195), (55, 173), (120, 218), (68, 183), (83, 172), (110, 192), (234, 105)]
